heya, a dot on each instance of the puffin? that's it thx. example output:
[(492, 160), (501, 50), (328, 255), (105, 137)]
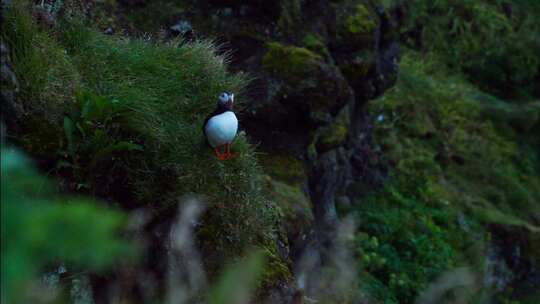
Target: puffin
[(220, 126)]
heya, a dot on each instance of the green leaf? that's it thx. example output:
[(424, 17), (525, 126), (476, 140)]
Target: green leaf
[(81, 129)]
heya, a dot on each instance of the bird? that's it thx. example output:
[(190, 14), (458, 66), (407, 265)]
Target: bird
[(220, 126)]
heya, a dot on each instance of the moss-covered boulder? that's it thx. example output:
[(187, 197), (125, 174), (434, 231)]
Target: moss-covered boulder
[(293, 64), (305, 84)]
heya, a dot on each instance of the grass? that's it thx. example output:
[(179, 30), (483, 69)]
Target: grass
[(45, 73), (139, 105)]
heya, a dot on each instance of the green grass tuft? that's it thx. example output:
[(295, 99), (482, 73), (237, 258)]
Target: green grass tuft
[(45, 73)]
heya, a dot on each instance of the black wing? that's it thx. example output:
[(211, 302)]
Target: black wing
[(217, 111)]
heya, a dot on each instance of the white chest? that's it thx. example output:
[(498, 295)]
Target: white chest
[(221, 129)]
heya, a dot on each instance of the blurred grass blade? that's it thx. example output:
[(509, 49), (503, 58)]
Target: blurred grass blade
[(239, 280)]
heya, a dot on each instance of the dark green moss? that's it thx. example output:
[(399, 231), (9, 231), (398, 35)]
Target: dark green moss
[(360, 21), (289, 62), (333, 135), (293, 202), (358, 69), (283, 167), (314, 43)]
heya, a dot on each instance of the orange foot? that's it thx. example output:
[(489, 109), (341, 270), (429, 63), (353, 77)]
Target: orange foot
[(220, 156), (226, 155), (228, 152)]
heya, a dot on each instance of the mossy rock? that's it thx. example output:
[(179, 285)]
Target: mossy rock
[(335, 134), (306, 82), (276, 272), (360, 22), (315, 43), (331, 137), (294, 205), (283, 167), (355, 24), (291, 63), (286, 176), (526, 117)]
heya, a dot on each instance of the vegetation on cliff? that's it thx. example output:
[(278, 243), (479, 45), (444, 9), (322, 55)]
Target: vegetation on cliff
[(460, 133), (457, 172), (114, 122)]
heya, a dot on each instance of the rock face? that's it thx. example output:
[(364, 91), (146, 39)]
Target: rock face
[(338, 175), (314, 65)]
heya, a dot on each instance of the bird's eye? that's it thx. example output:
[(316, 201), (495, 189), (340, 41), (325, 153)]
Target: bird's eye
[(223, 97)]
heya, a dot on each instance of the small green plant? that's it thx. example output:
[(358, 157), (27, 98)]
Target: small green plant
[(93, 135), (403, 243)]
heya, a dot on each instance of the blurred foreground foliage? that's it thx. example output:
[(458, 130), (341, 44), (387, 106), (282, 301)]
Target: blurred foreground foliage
[(41, 228)]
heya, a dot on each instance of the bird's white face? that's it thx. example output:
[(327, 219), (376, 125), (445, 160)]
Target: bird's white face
[(226, 99)]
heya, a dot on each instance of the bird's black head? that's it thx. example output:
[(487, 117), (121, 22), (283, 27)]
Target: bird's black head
[(226, 101)]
